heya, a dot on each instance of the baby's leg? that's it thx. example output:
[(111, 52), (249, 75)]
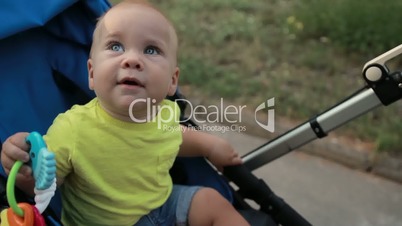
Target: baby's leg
[(208, 207)]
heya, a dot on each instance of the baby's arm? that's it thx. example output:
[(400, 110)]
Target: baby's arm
[(218, 151), (15, 148)]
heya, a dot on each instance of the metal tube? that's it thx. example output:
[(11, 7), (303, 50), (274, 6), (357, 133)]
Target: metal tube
[(302, 134)]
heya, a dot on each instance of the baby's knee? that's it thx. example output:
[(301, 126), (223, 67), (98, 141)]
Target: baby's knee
[(209, 193), (206, 206), (209, 207), (210, 197)]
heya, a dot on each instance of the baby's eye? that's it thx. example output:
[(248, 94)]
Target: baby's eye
[(152, 50), (116, 47)]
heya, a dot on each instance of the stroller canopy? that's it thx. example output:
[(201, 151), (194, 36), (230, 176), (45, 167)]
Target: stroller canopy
[(44, 46)]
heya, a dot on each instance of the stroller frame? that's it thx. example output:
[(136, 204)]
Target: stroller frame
[(383, 88)]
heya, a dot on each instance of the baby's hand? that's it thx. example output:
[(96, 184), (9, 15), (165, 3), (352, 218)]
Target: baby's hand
[(222, 154), (15, 148)]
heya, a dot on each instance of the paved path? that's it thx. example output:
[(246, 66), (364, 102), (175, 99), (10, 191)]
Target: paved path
[(326, 193)]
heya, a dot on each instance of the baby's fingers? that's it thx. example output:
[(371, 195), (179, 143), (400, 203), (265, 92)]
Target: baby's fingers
[(236, 160), (18, 140), (25, 170), (13, 154)]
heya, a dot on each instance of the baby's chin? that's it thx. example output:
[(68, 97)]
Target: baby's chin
[(127, 102)]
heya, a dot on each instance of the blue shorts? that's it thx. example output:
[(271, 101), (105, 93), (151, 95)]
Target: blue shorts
[(174, 211)]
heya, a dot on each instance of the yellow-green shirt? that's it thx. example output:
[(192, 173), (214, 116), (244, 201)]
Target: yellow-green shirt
[(114, 172)]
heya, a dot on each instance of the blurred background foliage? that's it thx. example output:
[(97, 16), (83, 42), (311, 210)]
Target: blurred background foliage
[(369, 27), (308, 54)]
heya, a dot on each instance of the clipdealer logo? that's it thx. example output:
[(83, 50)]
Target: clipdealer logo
[(268, 106), (207, 117)]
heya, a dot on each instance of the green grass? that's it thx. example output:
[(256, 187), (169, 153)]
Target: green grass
[(249, 51), (358, 25)]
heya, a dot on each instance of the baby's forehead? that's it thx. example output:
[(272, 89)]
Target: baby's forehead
[(136, 8), (117, 15), (133, 14)]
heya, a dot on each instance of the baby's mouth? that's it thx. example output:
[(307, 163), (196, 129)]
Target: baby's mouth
[(131, 82)]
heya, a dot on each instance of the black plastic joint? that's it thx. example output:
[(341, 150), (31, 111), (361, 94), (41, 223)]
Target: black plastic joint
[(316, 127)]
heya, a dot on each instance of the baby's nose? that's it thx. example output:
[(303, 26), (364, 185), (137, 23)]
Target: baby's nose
[(133, 60)]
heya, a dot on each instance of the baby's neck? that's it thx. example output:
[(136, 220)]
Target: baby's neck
[(135, 115)]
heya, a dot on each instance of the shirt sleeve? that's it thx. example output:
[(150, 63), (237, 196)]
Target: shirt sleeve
[(60, 140)]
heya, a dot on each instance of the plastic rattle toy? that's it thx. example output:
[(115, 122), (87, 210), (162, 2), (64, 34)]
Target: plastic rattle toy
[(43, 165)]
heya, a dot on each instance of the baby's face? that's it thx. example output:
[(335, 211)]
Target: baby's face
[(133, 58)]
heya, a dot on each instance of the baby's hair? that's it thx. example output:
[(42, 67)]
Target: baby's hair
[(144, 3), (141, 2), (148, 4)]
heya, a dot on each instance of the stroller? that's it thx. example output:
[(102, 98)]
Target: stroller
[(39, 82)]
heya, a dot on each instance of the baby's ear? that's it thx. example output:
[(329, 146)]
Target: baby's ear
[(174, 82), (90, 74)]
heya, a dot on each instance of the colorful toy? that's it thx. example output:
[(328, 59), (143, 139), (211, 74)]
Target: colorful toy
[(43, 165)]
